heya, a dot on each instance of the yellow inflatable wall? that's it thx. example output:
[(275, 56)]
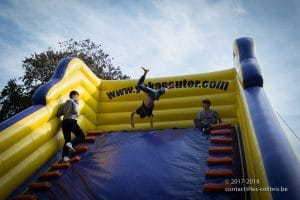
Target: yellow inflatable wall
[(176, 108)]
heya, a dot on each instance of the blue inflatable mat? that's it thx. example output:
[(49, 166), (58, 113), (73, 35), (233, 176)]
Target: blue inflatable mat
[(160, 164)]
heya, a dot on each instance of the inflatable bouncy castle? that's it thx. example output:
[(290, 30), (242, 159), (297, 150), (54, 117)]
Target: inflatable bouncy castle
[(246, 157)]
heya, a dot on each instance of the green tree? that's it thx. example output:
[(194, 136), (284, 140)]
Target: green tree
[(12, 99), (39, 68)]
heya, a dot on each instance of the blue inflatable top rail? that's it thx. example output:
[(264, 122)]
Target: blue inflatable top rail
[(250, 68), (39, 97)]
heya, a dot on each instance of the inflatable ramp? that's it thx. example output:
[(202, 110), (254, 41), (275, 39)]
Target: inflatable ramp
[(169, 161), (156, 164)]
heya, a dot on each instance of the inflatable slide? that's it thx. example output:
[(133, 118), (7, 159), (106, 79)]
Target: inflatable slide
[(168, 161)]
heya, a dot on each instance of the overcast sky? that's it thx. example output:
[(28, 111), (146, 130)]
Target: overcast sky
[(171, 37)]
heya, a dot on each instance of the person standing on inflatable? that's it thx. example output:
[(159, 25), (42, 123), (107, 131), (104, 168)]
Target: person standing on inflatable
[(70, 111), (148, 103)]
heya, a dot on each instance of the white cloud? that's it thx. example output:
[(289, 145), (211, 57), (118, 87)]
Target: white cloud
[(179, 35), (164, 42), (171, 37)]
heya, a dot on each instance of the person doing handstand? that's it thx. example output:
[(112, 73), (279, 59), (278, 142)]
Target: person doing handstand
[(148, 103)]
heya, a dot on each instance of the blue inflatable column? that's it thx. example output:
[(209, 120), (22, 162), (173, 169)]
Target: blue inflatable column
[(281, 165)]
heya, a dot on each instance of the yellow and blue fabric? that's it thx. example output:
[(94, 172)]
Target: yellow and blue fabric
[(277, 167), (32, 137)]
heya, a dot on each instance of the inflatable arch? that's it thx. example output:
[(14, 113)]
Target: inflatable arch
[(32, 137)]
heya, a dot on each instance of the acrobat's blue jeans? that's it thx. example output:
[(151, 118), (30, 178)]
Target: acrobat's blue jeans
[(154, 94)]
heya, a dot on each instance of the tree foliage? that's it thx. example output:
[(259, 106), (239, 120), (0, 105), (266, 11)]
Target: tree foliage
[(39, 68), (13, 100)]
